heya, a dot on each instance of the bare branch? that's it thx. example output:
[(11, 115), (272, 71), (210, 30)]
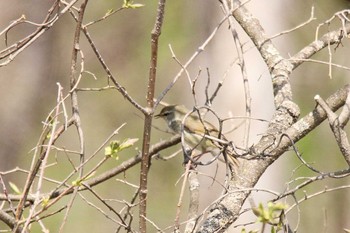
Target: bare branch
[(146, 156), (312, 18), (194, 201), (337, 125), (279, 67), (330, 38), (11, 222), (248, 99), (190, 60)]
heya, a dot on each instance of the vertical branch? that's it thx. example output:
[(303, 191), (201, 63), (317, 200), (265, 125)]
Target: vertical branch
[(279, 67), (193, 183), (248, 99), (74, 80), (145, 163)]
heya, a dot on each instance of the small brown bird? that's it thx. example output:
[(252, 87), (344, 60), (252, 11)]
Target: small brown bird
[(198, 134)]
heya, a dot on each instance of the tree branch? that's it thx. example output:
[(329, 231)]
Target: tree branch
[(146, 158), (333, 37), (269, 148)]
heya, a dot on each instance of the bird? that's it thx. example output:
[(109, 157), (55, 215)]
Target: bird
[(198, 133)]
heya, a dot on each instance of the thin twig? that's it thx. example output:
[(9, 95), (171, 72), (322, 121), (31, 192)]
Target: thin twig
[(111, 77), (181, 65), (12, 51), (74, 81), (248, 99), (312, 18), (179, 203), (43, 167), (330, 38), (189, 61)]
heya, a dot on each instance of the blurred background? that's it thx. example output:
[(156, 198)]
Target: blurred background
[(28, 92)]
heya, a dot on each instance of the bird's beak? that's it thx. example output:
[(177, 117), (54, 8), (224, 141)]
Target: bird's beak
[(157, 116)]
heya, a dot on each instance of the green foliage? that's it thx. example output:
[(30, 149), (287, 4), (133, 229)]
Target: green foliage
[(45, 202), (79, 181), (115, 147), (273, 215), (130, 4), (50, 121), (244, 231), (15, 188)]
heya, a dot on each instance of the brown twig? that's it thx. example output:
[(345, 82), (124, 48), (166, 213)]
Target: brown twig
[(74, 81), (189, 61), (6, 194), (11, 222), (110, 76), (146, 158), (12, 51)]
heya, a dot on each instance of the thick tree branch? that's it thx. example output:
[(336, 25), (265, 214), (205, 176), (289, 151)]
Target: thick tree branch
[(333, 37), (269, 148), (225, 212), (279, 67)]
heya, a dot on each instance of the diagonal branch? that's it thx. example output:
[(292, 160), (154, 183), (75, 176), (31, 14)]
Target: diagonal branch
[(11, 222), (269, 148), (330, 38), (155, 149)]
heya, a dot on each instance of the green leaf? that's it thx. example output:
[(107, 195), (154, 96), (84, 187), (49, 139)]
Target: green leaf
[(14, 188), (245, 231), (277, 206), (79, 181), (131, 4), (116, 146), (110, 11), (76, 182), (273, 230), (113, 149), (128, 143), (270, 213), (45, 202)]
